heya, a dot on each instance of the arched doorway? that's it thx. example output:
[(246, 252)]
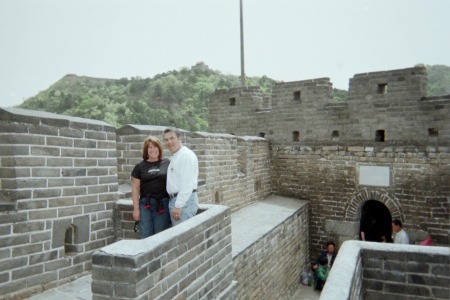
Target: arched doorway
[(376, 222)]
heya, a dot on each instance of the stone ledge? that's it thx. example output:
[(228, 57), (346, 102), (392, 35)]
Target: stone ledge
[(344, 274), (251, 223)]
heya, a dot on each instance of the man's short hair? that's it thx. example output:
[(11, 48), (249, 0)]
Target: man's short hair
[(174, 130), (331, 243), (397, 222)]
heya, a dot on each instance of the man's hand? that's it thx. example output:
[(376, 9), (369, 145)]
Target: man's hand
[(176, 213)]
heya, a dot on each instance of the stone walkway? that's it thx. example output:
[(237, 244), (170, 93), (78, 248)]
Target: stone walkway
[(80, 289), (305, 292)]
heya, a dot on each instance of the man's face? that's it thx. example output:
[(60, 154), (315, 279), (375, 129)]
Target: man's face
[(172, 142), (396, 228), (330, 249)]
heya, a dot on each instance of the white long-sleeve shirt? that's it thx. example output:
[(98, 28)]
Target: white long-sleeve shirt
[(401, 237), (182, 175)]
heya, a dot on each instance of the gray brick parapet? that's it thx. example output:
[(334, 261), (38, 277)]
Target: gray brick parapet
[(392, 101), (259, 233), (58, 186), (189, 261), (365, 270)]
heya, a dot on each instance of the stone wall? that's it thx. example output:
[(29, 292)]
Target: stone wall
[(386, 271), (270, 248), (329, 176), (191, 261), (319, 146), (58, 186), (389, 103)]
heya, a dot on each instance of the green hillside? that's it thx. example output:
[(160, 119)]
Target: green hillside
[(176, 98)]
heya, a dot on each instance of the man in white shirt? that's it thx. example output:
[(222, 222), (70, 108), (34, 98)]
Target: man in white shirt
[(401, 237), (182, 177)]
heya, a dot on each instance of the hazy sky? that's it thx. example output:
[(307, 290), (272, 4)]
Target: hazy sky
[(288, 40)]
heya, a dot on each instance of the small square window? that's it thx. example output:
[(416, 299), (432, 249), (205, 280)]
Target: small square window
[(379, 136), (262, 134), (297, 95), (433, 132), (335, 133), (382, 88), (296, 136), (233, 101)]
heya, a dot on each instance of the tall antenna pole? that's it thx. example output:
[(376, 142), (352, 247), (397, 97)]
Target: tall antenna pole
[(242, 48)]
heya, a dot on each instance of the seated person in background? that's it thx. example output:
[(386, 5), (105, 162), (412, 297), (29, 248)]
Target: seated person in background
[(329, 254), (321, 273)]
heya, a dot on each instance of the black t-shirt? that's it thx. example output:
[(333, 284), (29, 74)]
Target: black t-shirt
[(153, 177)]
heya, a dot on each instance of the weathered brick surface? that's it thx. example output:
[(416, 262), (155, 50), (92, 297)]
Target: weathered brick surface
[(169, 265), (269, 267), (334, 139), (50, 167), (312, 150), (406, 274), (365, 270)]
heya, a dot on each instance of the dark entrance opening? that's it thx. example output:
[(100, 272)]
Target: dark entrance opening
[(376, 222)]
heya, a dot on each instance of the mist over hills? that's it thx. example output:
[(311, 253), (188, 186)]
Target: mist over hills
[(176, 98)]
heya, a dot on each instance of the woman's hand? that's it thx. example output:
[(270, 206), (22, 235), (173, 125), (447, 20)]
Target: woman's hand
[(136, 215)]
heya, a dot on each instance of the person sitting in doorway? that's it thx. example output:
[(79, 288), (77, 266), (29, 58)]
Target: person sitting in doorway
[(401, 237), (330, 254)]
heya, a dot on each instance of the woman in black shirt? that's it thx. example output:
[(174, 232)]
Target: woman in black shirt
[(148, 190)]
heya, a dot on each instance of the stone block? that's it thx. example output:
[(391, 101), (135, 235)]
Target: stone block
[(4, 278), (60, 141), (349, 229), (29, 183), (69, 211), (59, 182), (98, 172), (441, 270), (74, 191), (89, 208), (41, 279), (417, 267), (46, 193), (27, 227), (13, 217), (82, 258), (27, 272), (42, 214), (83, 181), (5, 230), (71, 271), (71, 132), (13, 263), (11, 150), (31, 204), (440, 293)]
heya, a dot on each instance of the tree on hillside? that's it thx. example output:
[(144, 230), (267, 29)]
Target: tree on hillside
[(438, 80)]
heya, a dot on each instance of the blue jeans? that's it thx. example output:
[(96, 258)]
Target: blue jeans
[(152, 222), (188, 211)]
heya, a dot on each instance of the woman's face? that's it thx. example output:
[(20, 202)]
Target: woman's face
[(153, 152)]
